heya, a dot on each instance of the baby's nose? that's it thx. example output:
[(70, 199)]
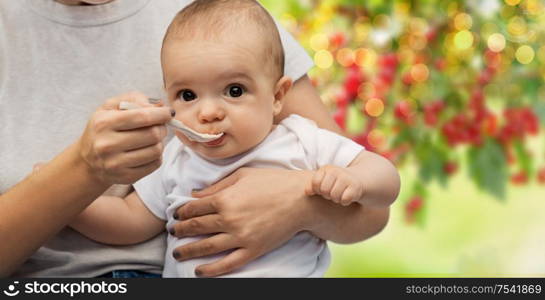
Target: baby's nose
[(211, 111)]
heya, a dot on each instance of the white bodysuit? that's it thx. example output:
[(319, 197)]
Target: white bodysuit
[(295, 144)]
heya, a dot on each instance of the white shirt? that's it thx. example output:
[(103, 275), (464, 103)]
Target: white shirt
[(58, 64), (295, 144)]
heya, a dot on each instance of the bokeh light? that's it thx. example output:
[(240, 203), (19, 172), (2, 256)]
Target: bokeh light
[(323, 59), (516, 26), (496, 42), (374, 107), (463, 40), (463, 21), (376, 138), (345, 57), (419, 72), (319, 42), (364, 57), (525, 54)]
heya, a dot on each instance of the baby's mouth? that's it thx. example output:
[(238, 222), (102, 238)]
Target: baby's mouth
[(216, 142)]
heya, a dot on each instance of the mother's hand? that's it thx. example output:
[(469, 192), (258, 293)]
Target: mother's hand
[(253, 211), (123, 146)]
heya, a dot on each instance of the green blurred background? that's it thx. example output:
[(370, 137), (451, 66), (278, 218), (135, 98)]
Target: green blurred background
[(452, 93)]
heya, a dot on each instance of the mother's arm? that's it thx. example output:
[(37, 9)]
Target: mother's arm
[(108, 152), (303, 99), (256, 221)]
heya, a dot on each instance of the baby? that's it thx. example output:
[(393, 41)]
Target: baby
[(223, 73)]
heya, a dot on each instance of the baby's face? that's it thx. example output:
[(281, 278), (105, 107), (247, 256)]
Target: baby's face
[(220, 86)]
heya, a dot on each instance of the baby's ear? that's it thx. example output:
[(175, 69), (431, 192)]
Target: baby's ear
[(282, 87)]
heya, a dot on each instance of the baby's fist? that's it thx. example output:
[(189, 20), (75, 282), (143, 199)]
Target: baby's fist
[(337, 184)]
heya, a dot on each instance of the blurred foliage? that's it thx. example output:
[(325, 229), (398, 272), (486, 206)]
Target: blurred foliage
[(432, 84)]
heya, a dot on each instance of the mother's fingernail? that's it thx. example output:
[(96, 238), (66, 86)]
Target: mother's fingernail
[(172, 231), (176, 216), (172, 112), (198, 273), (176, 254)]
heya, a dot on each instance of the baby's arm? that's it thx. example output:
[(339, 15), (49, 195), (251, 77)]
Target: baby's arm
[(117, 221), (370, 179)]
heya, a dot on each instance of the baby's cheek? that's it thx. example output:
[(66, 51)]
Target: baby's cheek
[(254, 134)]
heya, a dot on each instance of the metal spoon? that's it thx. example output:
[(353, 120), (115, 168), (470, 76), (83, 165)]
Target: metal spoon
[(178, 125)]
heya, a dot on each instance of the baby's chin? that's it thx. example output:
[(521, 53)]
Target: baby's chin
[(220, 153), (215, 155), (229, 149)]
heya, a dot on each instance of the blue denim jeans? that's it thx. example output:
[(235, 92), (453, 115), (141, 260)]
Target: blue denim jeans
[(129, 274)]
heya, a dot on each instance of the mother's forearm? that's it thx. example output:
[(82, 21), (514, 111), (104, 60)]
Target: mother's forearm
[(343, 224), (38, 207)]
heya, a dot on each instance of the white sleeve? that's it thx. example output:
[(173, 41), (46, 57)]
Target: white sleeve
[(296, 60), (153, 189), (322, 147), (334, 149)]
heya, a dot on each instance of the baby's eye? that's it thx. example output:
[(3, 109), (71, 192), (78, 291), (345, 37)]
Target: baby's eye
[(235, 90), (187, 95)]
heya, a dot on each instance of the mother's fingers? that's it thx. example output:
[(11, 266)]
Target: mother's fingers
[(197, 226), (229, 263), (196, 208), (139, 157), (220, 185), (130, 175), (212, 245), (141, 117), (139, 138)]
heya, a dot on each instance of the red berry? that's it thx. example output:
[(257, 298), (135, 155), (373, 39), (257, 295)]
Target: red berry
[(415, 203), (430, 118), (362, 140), (353, 80), (476, 102), (493, 60), (388, 155), (440, 64), (337, 40), (531, 121), (438, 105), (519, 178), (490, 124), (431, 111), (388, 61), (451, 133), (431, 35), (450, 167), (340, 117), (341, 99), (485, 77), (407, 79), (387, 75), (403, 111), (413, 206), (541, 175), (351, 86)]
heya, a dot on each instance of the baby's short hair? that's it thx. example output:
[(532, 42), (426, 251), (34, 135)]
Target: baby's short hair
[(210, 18)]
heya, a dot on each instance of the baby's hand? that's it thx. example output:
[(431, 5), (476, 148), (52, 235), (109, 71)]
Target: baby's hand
[(336, 184)]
